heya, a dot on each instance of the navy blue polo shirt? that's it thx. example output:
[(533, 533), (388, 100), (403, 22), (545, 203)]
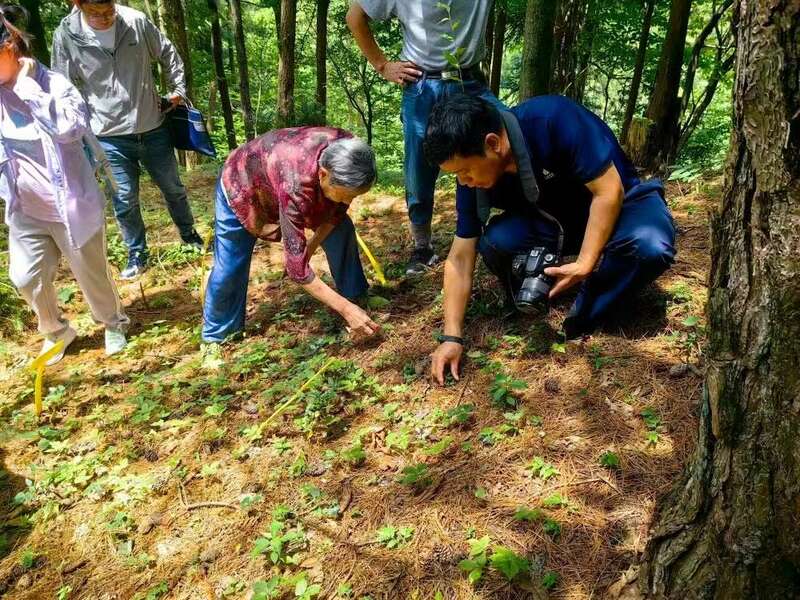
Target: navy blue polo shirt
[(569, 146)]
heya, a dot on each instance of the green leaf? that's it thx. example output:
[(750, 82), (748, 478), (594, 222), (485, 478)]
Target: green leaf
[(439, 447), (527, 514), (377, 302), (481, 493), (609, 460), (691, 321), (479, 546), (555, 501), (509, 563), (549, 580), (560, 348)]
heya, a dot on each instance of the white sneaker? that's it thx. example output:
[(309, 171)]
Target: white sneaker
[(67, 336), (115, 341)]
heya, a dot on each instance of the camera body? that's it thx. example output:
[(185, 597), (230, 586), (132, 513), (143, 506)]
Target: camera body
[(534, 292)]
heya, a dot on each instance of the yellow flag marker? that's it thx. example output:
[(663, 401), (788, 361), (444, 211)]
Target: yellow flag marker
[(283, 407), (376, 266), (37, 366)]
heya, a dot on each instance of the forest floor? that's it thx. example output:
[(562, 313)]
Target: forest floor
[(541, 467)]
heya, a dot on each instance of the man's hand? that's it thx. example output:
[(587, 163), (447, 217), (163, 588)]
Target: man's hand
[(175, 100), (567, 276), (361, 326), (448, 353), (400, 72), (27, 67)]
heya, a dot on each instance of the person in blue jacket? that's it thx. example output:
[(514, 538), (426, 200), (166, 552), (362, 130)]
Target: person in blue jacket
[(565, 187)]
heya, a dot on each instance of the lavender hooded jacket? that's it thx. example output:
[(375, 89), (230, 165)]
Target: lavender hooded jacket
[(71, 151)]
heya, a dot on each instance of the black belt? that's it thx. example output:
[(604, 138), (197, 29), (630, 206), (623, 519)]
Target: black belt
[(465, 74)]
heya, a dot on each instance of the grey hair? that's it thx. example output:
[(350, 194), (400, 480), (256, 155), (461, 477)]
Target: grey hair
[(351, 163)]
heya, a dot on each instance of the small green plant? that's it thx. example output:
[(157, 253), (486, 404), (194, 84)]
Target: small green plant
[(477, 559), (555, 501), (549, 580), (653, 423), (524, 513), (281, 543), (267, 590), (28, 558), (354, 455), (609, 460), (551, 527), (63, 592), (509, 563), (398, 440), (305, 591), (596, 356), (460, 415), (542, 469), (503, 390), (416, 476), (439, 447), (394, 537)]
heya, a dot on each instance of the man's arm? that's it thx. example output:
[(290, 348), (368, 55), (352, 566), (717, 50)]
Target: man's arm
[(396, 72), (170, 60), (60, 58), (459, 270), (608, 194)]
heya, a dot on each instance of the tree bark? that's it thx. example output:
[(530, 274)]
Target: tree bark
[(729, 529), (36, 28), (219, 70), (285, 115), (489, 37), (244, 73), (537, 53), (569, 25), (664, 107), (322, 59), (498, 46), (638, 69)]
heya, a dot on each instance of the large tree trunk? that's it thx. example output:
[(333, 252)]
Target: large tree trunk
[(219, 70), (638, 69), (537, 53), (244, 73), (322, 59), (36, 29), (664, 108), (569, 24), (729, 529), (288, 26), (498, 46)]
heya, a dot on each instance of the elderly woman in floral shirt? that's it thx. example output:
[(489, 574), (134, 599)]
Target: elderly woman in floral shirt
[(274, 188)]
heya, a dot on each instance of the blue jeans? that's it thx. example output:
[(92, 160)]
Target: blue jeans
[(226, 294), (418, 101), (154, 151), (641, 247)]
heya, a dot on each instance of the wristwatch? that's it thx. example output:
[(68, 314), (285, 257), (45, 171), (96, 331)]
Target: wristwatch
[(451, 338)]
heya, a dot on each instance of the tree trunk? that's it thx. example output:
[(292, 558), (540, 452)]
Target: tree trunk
[(664, 107), (322, 59), (285, 116), (585, 51), (244, 73), (569, 24), (219, 70), (729, 529), (36, 29), (498, 46), (537, 53), (489, 39), (638, 69)]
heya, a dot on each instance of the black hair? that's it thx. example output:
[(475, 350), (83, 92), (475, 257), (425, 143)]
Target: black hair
[(458, 126), (12, 20)]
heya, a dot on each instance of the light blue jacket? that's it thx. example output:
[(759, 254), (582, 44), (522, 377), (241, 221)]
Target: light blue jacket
[(72, 153)]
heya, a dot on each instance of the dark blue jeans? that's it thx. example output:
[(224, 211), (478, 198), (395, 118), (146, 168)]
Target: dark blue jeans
[(153, 150), (641, 248), (226, 294), (420, 176)]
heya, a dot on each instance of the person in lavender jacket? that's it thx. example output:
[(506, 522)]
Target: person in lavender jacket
[(54, 205)]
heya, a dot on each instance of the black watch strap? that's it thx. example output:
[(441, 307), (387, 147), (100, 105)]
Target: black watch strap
[(451, 338)]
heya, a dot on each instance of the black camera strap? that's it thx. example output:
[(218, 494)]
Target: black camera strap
[(527, 177)]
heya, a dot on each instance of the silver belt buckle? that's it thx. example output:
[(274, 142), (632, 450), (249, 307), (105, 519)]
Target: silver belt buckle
[(454, 75)]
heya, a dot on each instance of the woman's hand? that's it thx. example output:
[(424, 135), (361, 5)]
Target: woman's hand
[(27, 67), (447, 354), (361, 326)]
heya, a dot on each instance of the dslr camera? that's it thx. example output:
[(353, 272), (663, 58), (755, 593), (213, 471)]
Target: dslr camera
[(533, 295)]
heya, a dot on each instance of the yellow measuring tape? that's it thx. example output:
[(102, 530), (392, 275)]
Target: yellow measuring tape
[(37, 366), (282, 408), (376, 266)]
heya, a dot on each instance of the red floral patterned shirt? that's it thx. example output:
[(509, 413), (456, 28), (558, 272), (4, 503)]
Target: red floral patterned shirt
[(272, 183)]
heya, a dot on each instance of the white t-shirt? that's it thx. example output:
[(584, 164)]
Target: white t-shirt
[(426, 30), (107, 38)]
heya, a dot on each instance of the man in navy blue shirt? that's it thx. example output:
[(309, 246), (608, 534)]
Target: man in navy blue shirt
[(562, 182)]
